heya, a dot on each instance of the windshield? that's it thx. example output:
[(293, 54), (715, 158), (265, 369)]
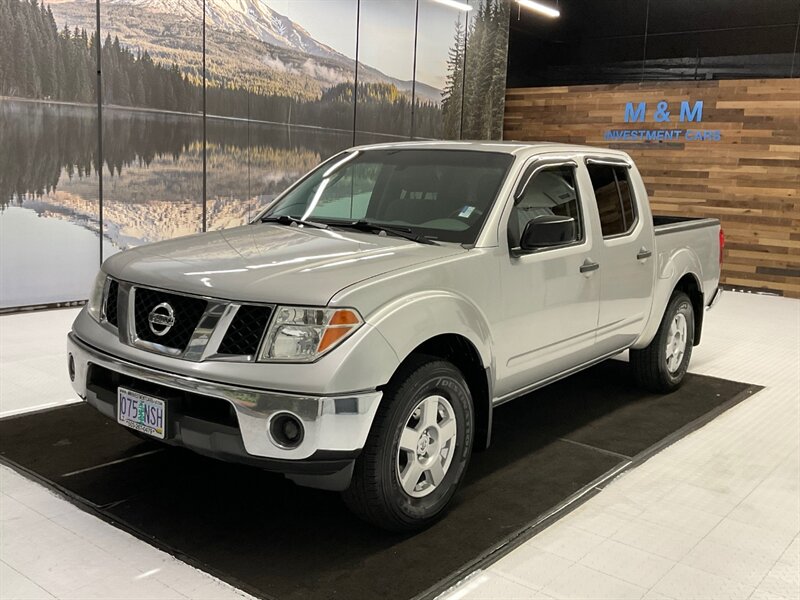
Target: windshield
[(439, 194)]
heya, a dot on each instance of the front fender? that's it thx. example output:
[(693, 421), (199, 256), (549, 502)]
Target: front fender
[(409, 321), (672, 267)]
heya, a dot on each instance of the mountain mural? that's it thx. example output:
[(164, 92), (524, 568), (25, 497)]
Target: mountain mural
[(254, 18), (248, 44), (277, 100)]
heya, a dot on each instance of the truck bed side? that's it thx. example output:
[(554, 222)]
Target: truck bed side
[(687, 254)]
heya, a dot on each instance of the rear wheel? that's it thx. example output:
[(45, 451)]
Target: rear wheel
[(418, 449), (661, 366)]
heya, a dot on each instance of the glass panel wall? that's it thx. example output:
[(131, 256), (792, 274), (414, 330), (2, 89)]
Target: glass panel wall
[(385, 78), (485, 69), (151, 65), (439, 73), (49, 199), (232, 81), (279, 81)]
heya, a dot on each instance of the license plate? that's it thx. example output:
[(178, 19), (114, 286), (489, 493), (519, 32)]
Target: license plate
[(141, 412)]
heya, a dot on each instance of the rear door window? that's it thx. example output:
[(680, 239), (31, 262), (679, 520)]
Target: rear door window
[(616, 204)]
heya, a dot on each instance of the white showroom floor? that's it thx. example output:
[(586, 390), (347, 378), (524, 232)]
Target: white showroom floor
[(716, 515)]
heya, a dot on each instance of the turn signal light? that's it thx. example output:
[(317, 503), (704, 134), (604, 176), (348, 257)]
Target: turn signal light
[(340, 325), (344, 317)]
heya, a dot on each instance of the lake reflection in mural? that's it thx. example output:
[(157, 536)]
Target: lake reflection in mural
[(152, 185)]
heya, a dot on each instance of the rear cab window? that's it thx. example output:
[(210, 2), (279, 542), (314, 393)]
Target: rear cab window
[(616, 203)]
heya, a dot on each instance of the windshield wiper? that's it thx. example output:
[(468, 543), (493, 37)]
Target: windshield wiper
[(404, 232), (288, 220)]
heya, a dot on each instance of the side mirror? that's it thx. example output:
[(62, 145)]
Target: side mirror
[(545, 231)]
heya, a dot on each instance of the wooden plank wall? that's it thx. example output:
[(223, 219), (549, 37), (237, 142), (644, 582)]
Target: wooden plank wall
[(749, 179)]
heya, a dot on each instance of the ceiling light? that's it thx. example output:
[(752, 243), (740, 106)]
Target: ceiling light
[(540, 8), (453, 3)]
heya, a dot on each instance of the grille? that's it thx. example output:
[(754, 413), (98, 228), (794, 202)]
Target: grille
[(186, 310), (244, 334), (111, 302)]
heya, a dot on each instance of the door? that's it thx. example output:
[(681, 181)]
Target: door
[(625, 254), (549, 297)]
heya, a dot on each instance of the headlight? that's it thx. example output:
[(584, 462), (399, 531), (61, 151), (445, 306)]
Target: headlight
[(302, 334), (95, 304)]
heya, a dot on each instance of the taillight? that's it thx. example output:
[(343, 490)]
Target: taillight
[(721, 244)]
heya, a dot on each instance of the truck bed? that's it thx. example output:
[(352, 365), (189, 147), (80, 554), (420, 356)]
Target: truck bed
[(689, 236), (669, 224)]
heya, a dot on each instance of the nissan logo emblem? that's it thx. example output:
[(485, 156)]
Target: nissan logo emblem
[(161, 319)]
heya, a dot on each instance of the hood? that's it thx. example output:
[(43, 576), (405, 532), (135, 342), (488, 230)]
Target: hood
[(270, 263)]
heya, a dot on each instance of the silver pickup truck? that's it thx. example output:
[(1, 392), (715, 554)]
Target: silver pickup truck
[(358, 334)]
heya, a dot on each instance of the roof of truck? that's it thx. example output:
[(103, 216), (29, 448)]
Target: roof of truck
[(507, 147)]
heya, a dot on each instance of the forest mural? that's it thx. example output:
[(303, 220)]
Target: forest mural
[(286, 85)]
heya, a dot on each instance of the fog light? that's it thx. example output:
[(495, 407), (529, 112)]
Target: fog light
[(286, 430), (71, 367)]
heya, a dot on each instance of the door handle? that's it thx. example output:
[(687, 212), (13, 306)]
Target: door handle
[(644, 253), (589, 266)]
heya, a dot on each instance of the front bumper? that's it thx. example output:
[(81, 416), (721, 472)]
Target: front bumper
[(336, 427)]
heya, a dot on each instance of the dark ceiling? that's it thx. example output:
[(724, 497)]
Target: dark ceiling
[(609, 41)]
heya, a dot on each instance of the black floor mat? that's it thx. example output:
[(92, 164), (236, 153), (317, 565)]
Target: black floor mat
[(263, 534)]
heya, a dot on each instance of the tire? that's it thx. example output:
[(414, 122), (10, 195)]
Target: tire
[(659, 368), (420, 401)]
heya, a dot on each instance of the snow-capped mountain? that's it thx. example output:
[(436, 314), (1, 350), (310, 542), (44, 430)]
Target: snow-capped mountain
[(246, 37), (252, 17)]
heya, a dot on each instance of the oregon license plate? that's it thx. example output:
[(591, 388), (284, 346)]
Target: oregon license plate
[(141, 412)]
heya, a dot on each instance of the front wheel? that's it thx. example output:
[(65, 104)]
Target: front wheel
[(661, 366), (417, 450)]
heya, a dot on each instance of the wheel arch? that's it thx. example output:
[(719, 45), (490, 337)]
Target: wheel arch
[(448, 326), (462, 353), (678, 272), (690, 285)]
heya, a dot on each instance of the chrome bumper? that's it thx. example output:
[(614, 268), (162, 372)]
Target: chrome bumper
[(333, 424)]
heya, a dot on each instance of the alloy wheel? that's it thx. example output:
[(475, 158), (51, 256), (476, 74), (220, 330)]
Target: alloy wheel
[(427, 445), (676, 342)]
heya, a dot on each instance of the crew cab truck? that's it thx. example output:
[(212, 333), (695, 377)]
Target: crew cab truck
[(358, 334)]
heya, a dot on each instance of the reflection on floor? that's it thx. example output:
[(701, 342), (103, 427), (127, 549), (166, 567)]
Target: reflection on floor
[(716, 515)]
